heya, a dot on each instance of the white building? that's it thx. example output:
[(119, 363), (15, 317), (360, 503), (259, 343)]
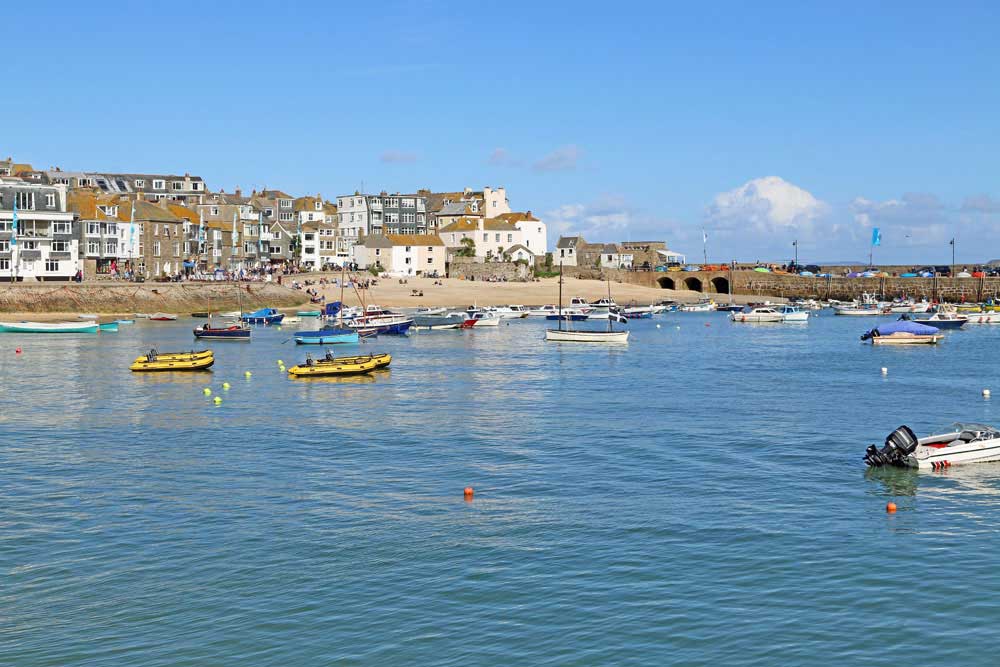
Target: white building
[(360, 215), (495, 237), (45, 245)]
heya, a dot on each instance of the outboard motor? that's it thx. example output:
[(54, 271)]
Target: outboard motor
[(898, 446)]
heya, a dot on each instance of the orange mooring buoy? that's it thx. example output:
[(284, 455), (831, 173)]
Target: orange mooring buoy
[(468, 493), (890, 508)]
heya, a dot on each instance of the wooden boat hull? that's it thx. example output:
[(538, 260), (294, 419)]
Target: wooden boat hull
[(329, 369), (586, 336), (49, 327), (161, 365)]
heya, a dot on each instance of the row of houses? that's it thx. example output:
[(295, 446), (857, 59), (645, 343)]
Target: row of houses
[(575, 251), (96, 224)]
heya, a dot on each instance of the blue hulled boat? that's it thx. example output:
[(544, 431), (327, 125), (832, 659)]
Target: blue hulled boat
[(263, 316), (328, 335)]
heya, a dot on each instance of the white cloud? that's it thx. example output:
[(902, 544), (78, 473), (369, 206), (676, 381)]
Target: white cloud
[(563, 158), (398, 157), (609, 218), (501, 157), (766, 204)]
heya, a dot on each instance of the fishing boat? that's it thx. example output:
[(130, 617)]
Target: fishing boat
[(866, 306), (49, 327), (569, 335), (263, 316), (701, 306), (162, 317), (793, 314), (240, 332), (941, 320), (443, 320), (903, 332), (327, 335), (756, 314), (480, 318), (176, 361), (958, 444)]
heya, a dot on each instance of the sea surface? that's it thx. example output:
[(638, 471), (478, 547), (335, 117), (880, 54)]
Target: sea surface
[(696, 497)]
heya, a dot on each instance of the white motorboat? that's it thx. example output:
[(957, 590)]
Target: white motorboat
[(793, 314), (702, 306), (867, 305), (542, 311), (757, 314), (480, 318), (430, 311), (515, 312), (580, 303), (910, 307), (959, 443), (983, 318), (437, 321)]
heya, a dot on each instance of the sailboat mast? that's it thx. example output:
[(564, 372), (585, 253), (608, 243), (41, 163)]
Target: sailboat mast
[(609, 305), (340, 313), (560, 296)]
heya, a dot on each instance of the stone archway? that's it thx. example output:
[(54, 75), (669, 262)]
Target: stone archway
[(693, 284), (666, 282), (720, 284)]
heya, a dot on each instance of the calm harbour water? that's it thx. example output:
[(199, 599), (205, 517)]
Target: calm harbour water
[(694, 497)]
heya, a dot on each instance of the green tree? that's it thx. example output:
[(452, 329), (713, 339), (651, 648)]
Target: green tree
[(468, 248)]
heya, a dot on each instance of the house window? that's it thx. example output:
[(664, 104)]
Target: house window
[(430, 248), (51, 265), (286, 203), (4, 265), (60, 246), (28, 245), (269, 212), (486, 237), (4, 246), (409, 259), (50, 200), (62, 228), (196, 186), (286, 217), (319, 206), (93, 229), (378, 252), (139, 183), (26, 201), (430, 260), (214, 210), (510, 238), (156, 248), (498, 238), (111, 247), (159, 185)]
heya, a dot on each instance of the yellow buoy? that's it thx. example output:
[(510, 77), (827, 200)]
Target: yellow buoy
[(280, 362), (225, 385), (218, 401), (248, 374), (207, 391)]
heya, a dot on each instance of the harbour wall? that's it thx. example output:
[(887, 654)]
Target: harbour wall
[(145, 297), (773, 284)]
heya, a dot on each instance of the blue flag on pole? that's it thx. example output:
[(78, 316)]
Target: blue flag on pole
[(876, 237)]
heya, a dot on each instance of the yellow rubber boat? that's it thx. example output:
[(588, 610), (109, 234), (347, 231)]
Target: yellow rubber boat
[(381, 360), (184, 356), (329, 368), (146, 365)]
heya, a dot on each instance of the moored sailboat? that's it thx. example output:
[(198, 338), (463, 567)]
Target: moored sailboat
[(568, 335)]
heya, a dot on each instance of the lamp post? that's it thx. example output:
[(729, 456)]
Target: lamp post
[(952, 257), (795, 244)]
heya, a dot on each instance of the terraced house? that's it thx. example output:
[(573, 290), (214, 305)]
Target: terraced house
[(361, 215), (44, 245), (185, 189), (444, 208), (241, 222), (103, 247)]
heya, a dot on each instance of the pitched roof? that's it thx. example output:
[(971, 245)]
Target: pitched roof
[(459, 208), (517, 246), (518, 217), (306, 204), (414, 239), (376, 241), (183, 212), (461, 225), (570, 241)]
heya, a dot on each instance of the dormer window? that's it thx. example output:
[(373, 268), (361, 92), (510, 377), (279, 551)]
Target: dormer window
[(140, 183), (159, 185), (319, 206)]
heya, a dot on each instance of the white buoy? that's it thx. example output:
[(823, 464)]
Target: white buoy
[(986, 393), (885, 371), (657, 326)]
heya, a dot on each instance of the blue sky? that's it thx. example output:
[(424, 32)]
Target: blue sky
[(761, 122)]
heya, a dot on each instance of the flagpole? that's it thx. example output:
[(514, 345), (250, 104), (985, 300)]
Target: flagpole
[(704, 245)]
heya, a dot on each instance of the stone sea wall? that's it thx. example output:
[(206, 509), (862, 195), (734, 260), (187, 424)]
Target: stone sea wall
[(468, 269), (145, 297)]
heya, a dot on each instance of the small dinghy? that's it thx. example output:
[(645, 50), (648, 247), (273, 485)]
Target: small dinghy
[(327, 335), (154, 361), (903, 332), (959, 443), (338, 366), (49, 327), (232, 332), (162, 317)]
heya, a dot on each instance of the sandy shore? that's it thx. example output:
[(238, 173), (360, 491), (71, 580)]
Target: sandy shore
[(390, 293)]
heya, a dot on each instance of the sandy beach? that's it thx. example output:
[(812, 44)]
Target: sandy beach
[(461, 293)]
